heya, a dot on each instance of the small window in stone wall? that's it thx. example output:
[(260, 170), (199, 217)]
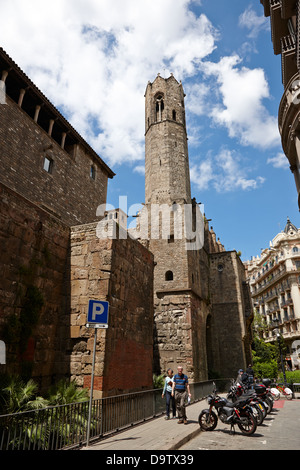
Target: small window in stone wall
[(93, 172), (48, 164), (169, 276)]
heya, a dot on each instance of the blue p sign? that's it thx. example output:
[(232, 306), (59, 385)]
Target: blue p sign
[(98, 312)]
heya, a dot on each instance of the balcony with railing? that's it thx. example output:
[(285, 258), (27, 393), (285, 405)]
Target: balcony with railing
[(273, 309), (269, 281), (288, 117), (288, 8), (288, 55), (288, 324), (279, 27), (286, 303)]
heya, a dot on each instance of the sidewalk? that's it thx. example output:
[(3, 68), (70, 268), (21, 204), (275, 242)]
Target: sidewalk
[(156, 434)]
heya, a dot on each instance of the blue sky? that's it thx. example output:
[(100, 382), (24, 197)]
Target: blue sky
[(93, 59)]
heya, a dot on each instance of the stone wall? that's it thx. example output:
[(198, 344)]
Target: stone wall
[(181, 307), (68, 189), (180, 333), (120, 272), (229, 326), (33, 288)]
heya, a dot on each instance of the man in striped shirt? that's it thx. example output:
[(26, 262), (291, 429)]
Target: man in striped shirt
[(180, 389)]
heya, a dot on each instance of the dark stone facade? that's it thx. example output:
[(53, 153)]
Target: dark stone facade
[(45, 283), (167, 305)]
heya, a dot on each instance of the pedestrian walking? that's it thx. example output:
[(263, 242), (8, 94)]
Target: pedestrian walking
[(180, 390), (167, 391)]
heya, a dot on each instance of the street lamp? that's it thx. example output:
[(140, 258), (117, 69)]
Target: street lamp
[(278, 335)]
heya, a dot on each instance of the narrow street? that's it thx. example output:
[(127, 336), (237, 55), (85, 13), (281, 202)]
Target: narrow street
[(279, 431)]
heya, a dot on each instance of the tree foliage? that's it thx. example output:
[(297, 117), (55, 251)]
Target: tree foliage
[(266, 356), (17, 395), (158, 381)]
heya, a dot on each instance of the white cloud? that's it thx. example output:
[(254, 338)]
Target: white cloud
[(224, 172), (93, 60), (139, 169), (196, 100), (250, 20), (241, 92), (202, 175), (279, 161)]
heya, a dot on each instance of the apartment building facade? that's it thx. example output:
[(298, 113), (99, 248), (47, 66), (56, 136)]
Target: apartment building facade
[(274, 279)]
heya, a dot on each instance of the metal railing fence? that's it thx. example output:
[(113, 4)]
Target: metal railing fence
[(65, 426)]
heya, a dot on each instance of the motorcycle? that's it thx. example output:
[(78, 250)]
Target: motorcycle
[(264, 393), (238, 413), (257, 406)]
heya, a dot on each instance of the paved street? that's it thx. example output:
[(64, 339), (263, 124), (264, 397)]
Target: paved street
[(279, 431)]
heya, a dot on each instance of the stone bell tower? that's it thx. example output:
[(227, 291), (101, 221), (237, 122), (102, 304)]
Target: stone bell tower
[(180, 274), (166, 164)]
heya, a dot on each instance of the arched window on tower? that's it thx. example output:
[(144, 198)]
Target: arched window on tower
[(169, 276), (159, 107), (174, 115)]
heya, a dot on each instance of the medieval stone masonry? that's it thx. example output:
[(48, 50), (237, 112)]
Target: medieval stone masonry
[(176, 296), (43, 157), (200, 315), (120, 271), (51, 181)]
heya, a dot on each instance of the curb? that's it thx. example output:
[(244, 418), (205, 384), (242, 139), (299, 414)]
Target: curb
[(184, 440)]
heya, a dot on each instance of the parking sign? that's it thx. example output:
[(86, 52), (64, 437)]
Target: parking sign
[(98, 314)]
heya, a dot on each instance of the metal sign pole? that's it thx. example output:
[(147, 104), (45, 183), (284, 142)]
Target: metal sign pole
[(92, 390), (97, 318)]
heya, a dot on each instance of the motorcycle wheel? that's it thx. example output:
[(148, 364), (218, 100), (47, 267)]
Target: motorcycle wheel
[(258, 414), (289, 393), (275, 394), (207, 422), (247, 424)]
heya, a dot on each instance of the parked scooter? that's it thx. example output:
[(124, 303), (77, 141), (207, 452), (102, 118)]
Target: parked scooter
[(258, 408), (238, 413)]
